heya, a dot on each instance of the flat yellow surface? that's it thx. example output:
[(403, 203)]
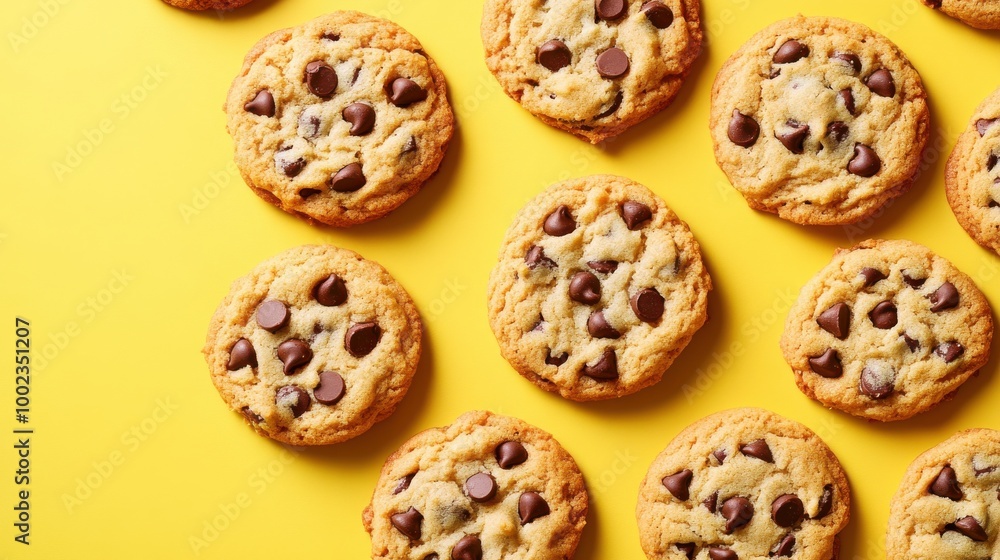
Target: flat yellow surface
[(123, 222)]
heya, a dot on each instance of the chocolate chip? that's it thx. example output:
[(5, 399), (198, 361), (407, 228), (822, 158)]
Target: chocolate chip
[(556, 360), (969, 527), (877, 381), (294, 397), (883, 316), (293, 168), (790, 51), (827, 364), (330, 389), (647, 304), (991, 162), (722, 553), (604, 267), (554, 55), (847, 97), (758, 449), (865, 162), (294, 353), (320, 78), (635, 214), (872, 276), (404, 92), (911, 343), (794, 138), (982, 125), (261, 105), (241, 355), (738, 511), (599, 327), (531, 506), (784, 547), (481, 487), (913, 282), (251, 416), (403, 483), (273, 315), (559, 223), (949, 351), (881, 83), (615, 104), (687, 548), (610, 9), (306, 193), (711, 502), (612, 63), (330, 291), (606, 367), (468, 547), (743, 129), (787, 510), (361, 116), (679, 484), (361, 338), (825, 503), (309, 126), (946, 485), (850, 59), (836, 320), (408, 523), (410, 146), (330, 36), (585, 288), (658, 14), (349, 179), (945, 297), (535, 257), (837, 130), (720, 455), (510, 454)]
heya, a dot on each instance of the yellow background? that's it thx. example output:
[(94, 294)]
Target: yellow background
[(119, 261)]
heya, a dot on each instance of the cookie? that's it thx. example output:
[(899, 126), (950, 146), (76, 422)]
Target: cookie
[(887, 330), (742, 484), (592, 68), (207, 4), (339, 120), (948, 504), (487, 486), (598, 288), (984, 14), (314, 346), (972, 177), (819, 120)]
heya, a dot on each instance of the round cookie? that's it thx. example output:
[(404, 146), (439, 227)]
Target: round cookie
[(486, 487), (948, 504), (598, 288), (339, 120), (887, 330), (741, 484), (984, 14), (314, 346), (592, 68), (819, 120), (207, 4), (972, 177)]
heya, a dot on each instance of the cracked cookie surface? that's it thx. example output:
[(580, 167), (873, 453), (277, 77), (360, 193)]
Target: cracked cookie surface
[(592, 68), (972, 177), (887, 330), (819, 120), (314, 345), (487, 487), (598, 288), (948, 503), (339, 120), (984, 14), (743, 484)]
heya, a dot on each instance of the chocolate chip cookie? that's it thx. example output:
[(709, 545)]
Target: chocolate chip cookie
[(487, 486), (984, 14), (314, 346), (887, 330), (972, 178), (819, 120), (339, 120), (598, 288), (742, 484), (948, 504), (207, 4), (592, 68)]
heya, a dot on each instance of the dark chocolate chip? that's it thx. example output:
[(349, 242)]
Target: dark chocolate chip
[(946, 485), (738, 511), (331, 388), (408, 523), (481, 487), (610, 9), (320, 78), (837, 130), (468, 547), (531, 506), (679, 484), (294, 354), (827, 364), (836, 320), (711, 502), (361, 338), (410, 146), (306, 193), (349, 179), (911, 343), (945, 297), (784, 547), (758, 449), (743, 129), (556, 360), (604, 267), (241, 355), (330, 36), (585, 288), (635, 214), (982, 125), (847, 97), (251, 416), (794, 138), (991, 162), (658, 14), (294, 397), (273, 315), (510, 454), (790, 51), (293, 168), (606, 368), (865, 162), (405, 92), (850, 59), (330, 291), (687, 548), (403, 483), (787, 510), (825, 503), (720, 455), (881, 83), (554, 55), (872, 276), (309, 125), (361, 116), (535, 257), (883, 315), (913, 282), (722, 553), (560, 222), (969, 527), (599, 327), (612, 63), (261, 105), (949, 351), (615, 104), (876, 383), (647, 304)]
